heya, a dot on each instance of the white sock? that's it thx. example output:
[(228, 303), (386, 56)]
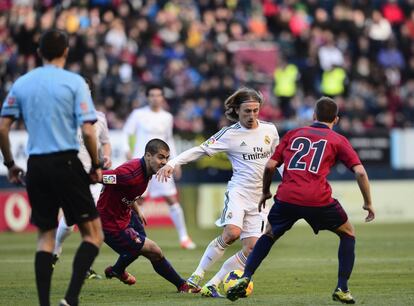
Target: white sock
[(177, 216), (213, 252), (63, 232), (235, 262)]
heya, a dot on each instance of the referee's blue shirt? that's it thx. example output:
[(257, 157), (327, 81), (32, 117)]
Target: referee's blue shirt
[(53, 103)]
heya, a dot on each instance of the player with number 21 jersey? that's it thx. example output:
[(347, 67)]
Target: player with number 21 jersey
[(311, 151)]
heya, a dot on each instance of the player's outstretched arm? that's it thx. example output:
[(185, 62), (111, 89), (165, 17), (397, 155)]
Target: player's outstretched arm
[(187, 156), (269, 170), (363, 183)]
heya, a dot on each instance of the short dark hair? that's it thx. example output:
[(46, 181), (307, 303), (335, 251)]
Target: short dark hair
[(326, 110), (53, 44), (155, 145), (153, 86)]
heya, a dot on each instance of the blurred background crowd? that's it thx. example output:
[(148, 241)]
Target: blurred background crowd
[(360, 52)]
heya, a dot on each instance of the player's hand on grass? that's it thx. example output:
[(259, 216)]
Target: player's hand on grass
[(371, 212), (15, 175), (262, 203), (164, 173)]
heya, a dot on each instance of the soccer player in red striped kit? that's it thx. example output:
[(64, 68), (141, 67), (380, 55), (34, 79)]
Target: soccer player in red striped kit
[(118, 207), (308, 154)]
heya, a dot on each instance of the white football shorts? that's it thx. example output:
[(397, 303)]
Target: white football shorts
[(241, 209)]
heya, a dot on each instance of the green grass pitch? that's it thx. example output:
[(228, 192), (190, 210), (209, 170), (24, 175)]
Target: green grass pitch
[(300, 270)]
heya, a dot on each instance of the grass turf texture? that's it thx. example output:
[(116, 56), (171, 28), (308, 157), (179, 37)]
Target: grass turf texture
[(300, 270)]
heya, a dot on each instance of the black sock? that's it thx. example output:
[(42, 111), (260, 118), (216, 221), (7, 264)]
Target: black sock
[(81, 263), (346, 258), (123, 261), (43, 271), (260, 251), (164, 268)]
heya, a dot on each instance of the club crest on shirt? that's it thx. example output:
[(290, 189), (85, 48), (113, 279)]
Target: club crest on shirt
[(109, 178), (267, 140)]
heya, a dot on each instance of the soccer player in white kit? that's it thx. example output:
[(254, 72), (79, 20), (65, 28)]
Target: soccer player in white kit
[(249, 143), (104, 149), (151, 122)]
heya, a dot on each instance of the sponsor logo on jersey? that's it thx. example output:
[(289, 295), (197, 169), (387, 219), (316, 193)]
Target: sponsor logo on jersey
[(267, 140), (229, 215), (243, 144), (109, 178), (258, 153)]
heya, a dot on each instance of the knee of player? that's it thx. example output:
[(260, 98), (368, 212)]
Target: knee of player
[(230, 235), (346, 229), (156, 256), (100, 238), (247, 249), (154, 252), (95, 238), (272, 236)]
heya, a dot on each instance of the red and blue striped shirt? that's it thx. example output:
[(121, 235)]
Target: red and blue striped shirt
[(121, 186)]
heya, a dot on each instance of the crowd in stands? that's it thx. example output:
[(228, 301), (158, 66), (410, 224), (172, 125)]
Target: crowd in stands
[(360, 52)]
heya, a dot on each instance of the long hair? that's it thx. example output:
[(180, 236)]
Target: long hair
[(242, 95)]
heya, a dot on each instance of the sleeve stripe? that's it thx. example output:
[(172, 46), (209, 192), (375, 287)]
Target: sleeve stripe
[(221, 133), (235, 126)]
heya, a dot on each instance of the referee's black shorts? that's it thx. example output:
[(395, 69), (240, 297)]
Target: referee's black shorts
[(58, 180)]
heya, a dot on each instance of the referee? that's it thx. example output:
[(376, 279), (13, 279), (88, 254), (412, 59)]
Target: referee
[(53, 103)]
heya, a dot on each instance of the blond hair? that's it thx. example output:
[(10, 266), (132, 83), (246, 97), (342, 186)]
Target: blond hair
[(240, 96)]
